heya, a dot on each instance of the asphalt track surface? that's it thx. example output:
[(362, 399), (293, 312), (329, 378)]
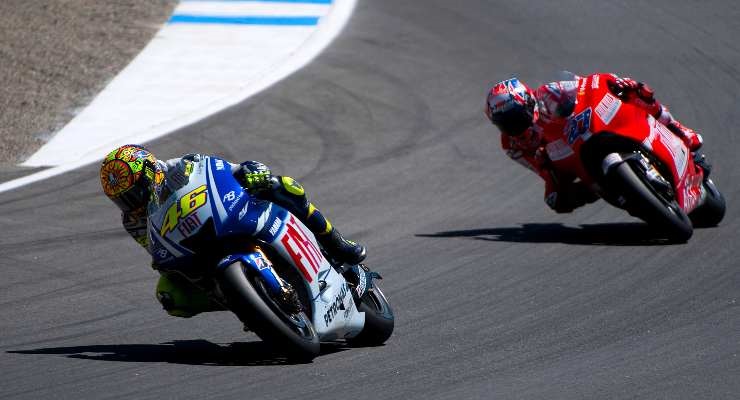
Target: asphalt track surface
[(495, 296)]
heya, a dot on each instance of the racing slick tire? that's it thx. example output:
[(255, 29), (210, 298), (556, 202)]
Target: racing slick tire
[(712, 209), (647, 203), (248, 297), (379, 319)]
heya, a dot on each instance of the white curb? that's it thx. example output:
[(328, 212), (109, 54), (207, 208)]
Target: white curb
[(190, 71)]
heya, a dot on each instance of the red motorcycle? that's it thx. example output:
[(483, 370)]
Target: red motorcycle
[(635, 163)]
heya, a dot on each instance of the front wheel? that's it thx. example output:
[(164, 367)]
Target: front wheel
[(379, 319), (712, 209), (644, 201), (251, 301)]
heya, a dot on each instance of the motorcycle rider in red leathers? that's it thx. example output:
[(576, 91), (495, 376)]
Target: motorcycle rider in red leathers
[(532, 124)]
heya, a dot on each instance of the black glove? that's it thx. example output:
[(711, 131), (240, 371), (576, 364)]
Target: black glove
[(255, 176)]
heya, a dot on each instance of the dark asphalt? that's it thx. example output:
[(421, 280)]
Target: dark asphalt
[(495, 296)]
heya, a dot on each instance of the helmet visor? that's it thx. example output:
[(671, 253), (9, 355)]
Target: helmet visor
[(514, 122), (133, 199)]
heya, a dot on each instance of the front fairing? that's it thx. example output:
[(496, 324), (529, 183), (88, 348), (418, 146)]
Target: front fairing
[(209, 209), (599, 111)]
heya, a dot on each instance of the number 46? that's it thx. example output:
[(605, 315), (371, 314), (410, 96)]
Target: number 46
[(179, 210)]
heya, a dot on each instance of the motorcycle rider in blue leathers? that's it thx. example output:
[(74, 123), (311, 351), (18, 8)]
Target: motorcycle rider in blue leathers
[(132, 177)]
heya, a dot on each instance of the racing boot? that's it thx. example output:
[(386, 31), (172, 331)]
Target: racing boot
[(287, 192), (340, 249), (700, 160), (692, 139)]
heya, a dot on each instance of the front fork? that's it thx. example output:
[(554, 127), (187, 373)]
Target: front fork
[(360, 279)]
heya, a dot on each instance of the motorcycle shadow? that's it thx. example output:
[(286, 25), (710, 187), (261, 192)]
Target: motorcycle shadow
[(190, 352), (606, 234)]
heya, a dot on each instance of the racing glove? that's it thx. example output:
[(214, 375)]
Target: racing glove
[(256, 177), (178, 175), (636, 92), (257, 181)]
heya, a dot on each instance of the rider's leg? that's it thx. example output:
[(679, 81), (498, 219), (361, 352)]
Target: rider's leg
[(644, 97), (287, 192), (692, 139)]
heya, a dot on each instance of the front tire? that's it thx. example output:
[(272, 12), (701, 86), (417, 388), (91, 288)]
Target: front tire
[(646, 203), (379, 319), (250, 300), (712, 210)]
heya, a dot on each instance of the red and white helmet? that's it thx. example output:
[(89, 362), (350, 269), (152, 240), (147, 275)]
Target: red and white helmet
[(510, 105)]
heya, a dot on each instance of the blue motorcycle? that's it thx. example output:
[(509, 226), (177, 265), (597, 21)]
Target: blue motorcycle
[(259, 261)]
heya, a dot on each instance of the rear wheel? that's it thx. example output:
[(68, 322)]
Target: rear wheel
[(654, 205), (379, 319), (251, 301)]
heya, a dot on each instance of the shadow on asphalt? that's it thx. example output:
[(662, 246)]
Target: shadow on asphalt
[(191, 352), (610, 234)]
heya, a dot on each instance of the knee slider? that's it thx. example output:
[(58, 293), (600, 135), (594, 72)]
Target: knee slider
[(292, 186)]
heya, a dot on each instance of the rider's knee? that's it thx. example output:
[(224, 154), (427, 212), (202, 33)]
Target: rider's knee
[(180, 298), (292, 186)]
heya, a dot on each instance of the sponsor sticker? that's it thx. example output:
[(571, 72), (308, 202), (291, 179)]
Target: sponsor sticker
[(189, 225), (362, 285), (301, 249), (243, 211), (236, 201), (336, 305), (675, 147), (260, 261), (608, 108), (275, 226)]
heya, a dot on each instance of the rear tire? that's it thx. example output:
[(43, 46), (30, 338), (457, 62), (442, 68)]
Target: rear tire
[(379, 319), (712, 210), (250, 300), (644, 202)]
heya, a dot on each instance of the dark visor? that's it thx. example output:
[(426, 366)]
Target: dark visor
[(514, 122), (134, 198)]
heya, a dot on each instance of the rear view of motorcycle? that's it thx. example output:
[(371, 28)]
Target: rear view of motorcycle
[(637, 164), (259, 261)]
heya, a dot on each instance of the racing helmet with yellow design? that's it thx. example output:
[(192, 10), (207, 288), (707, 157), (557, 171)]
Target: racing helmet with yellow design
[(129, 175)]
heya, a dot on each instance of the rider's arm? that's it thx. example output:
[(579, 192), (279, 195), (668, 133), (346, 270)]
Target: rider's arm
[(254, 176), (634, 92), (257, 178), (523, 155), (537, 161), (282, 190), (135, 225), (177, 170)]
